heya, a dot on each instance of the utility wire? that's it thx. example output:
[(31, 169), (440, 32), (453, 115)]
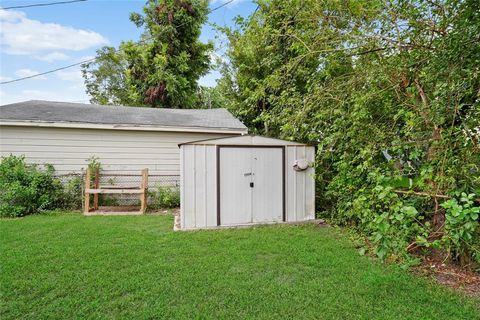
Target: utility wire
[(47, 72), (41, 4), (93, 59), (221, 6)]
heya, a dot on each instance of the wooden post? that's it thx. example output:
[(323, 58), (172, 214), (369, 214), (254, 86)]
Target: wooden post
[(86, 207), (96, 186), (144, 187)]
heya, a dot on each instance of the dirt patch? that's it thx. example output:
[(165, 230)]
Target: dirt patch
[(163, 212), (450, 274)]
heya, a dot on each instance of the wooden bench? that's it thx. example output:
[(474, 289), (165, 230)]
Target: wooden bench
[(96, 189)]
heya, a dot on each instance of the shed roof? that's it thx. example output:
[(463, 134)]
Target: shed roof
[(50, 112), (246, 140)]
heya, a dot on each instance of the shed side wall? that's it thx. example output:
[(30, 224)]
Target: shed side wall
[(198, 186), (300, 185), (120, 151)]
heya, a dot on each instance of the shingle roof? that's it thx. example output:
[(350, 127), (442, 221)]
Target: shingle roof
[(66, 112)]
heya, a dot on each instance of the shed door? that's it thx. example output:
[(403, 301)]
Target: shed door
[(251, 185), (267, 166), (235, 191)]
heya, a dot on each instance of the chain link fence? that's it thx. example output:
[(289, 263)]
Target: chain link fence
[(163, 190)]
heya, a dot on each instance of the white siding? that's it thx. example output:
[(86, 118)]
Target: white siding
[(120, 151)]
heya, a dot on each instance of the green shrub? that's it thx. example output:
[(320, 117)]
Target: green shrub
[(94, 164), (461, 227), (108, 200), (71, 195), (164, 197), (26, 189)]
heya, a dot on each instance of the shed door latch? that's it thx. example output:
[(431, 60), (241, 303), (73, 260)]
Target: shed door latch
[(251, 184)]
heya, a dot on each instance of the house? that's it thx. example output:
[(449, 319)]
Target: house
[(124, 139)]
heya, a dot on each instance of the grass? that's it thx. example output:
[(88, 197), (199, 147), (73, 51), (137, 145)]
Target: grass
[(70, 266)]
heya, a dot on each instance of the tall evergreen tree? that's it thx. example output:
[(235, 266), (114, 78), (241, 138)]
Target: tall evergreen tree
[(162, 69)]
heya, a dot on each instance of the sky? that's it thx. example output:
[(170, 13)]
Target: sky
[(38, 39)]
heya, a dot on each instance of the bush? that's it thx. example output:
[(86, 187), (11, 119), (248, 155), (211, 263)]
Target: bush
[(164, 197), (26, 189), (461, 228), (71, 195)]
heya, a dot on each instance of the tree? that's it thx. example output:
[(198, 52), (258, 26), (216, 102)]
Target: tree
[(390, 93), (210, 98), (106, 78), (162, 69)]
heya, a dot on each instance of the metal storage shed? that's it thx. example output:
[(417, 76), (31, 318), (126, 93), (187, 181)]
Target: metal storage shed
[(245, 180)]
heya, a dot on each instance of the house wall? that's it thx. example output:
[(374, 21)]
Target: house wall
[(198, 184), (118, 150)]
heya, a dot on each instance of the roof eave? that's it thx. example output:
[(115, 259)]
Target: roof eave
[(205, 142), (126, 127)]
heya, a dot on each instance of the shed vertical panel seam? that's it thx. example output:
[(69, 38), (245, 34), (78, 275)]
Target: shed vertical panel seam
[(305, 186), (182, 187), (205, 183), (252, 178), (287, 185), (195, 186), (295, 185), (284, 202), (313, 182), (217, 151)]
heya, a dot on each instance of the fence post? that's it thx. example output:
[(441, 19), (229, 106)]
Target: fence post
[(86, 207), (144, 195)]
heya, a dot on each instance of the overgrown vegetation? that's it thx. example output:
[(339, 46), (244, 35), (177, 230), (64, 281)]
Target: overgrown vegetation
[(461, 230), (27, 189), (164, 197), (390, 92), (71, 195)]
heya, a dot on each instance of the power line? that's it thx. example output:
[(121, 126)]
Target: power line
[(221, 6), (93, 59), (41, 4), (209, 11), (47, 72)]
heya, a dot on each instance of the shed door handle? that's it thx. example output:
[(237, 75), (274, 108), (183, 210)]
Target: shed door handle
[(251, 184)]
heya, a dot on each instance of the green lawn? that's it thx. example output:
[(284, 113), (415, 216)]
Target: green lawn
[(72, 266)]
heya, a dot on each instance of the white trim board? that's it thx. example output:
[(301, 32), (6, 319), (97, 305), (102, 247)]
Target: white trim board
[(127, 127)]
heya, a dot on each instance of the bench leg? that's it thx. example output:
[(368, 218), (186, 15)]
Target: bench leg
[(96, 185), (87, 203), (144, 195)]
